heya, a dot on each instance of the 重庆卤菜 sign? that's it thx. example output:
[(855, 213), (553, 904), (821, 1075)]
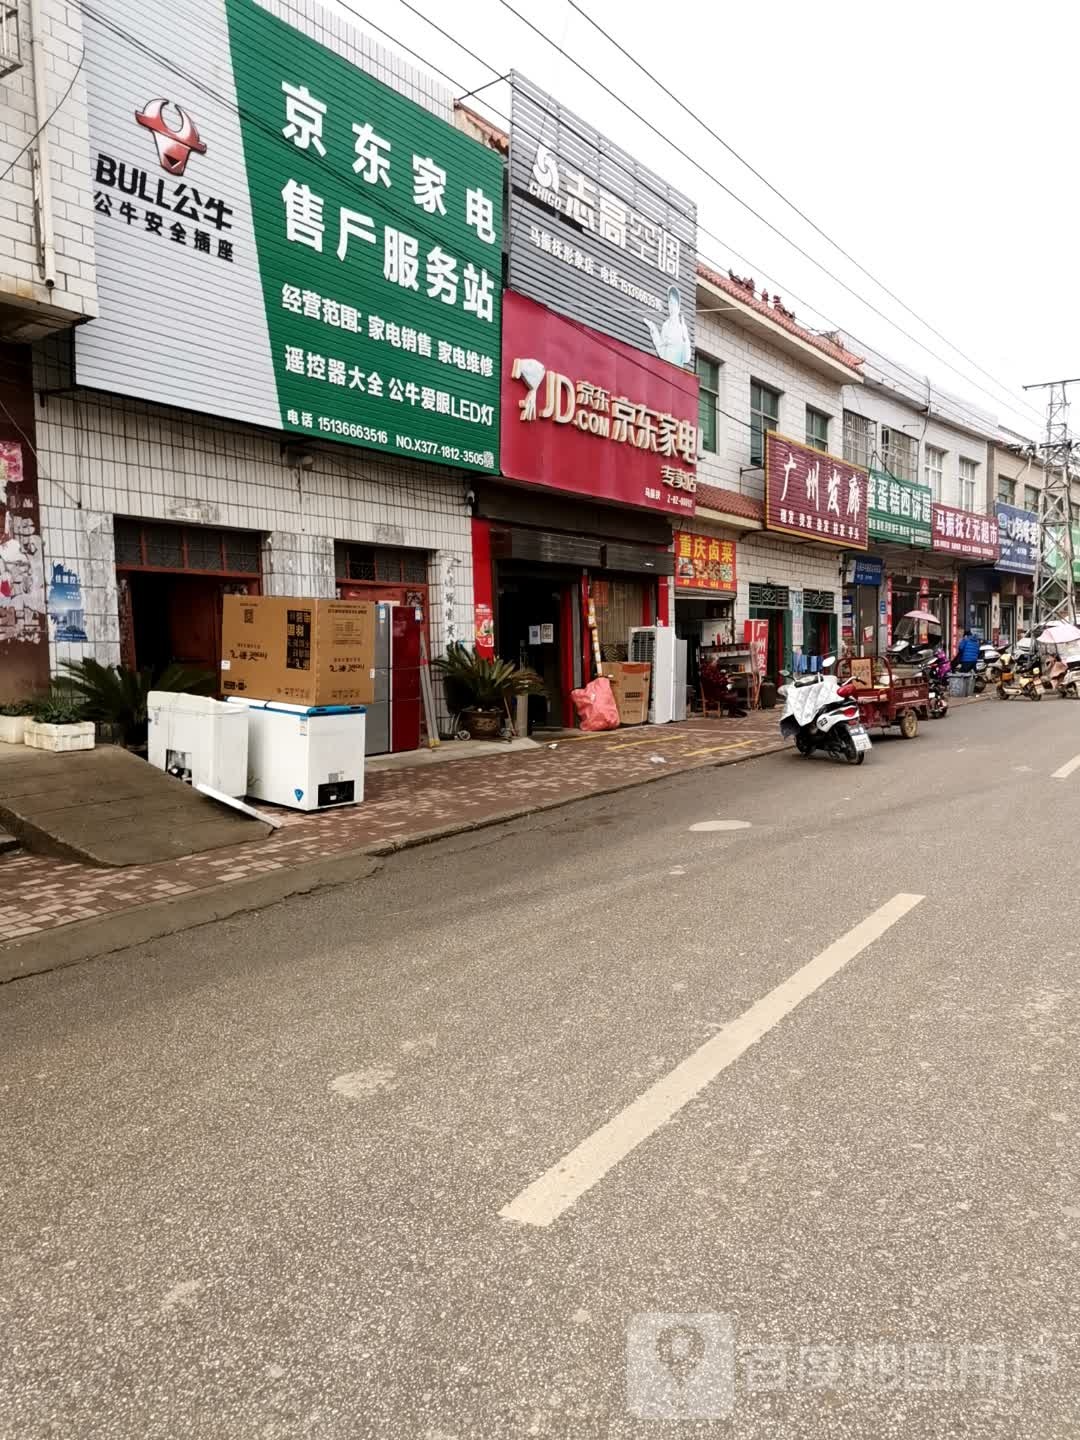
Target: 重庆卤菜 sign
[(296, 244), (899, 510), (702, 562)]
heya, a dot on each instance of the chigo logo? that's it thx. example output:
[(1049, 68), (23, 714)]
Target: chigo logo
[(175, 144)]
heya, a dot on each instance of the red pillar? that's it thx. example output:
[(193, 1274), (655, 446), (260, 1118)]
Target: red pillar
[(483, 589)]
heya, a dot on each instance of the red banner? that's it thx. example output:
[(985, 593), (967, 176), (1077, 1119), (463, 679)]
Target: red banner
[(756, 635), (704, 563), (961, 532), (587, 414), (814, 495)]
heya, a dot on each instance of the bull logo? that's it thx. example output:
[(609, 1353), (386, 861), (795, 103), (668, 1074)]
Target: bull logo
[(174, 143)]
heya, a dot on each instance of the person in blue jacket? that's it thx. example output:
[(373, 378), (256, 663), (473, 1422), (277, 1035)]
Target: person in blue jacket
[(968, 652)]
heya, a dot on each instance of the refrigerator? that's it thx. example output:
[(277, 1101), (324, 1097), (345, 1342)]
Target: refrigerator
[(393, 717), (660, 647)]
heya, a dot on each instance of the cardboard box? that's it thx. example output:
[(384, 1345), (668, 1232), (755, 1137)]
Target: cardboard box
[(307, 652), (630, 686)]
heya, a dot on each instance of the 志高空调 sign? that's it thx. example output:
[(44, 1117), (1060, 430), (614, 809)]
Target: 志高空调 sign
[(702, 562), (585, 414), (1018, 537), (296, 244), (814, 495), (962, 532), (596, 236), (899, 510)]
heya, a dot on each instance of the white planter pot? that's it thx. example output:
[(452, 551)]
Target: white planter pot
[(59, 738), (12, 728)]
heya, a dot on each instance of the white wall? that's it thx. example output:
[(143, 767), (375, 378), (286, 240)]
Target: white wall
[(69, 168), (100, 457), (896, 413), (744, 357)]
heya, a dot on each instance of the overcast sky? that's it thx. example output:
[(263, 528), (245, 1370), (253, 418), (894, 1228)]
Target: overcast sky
[(926, 139)]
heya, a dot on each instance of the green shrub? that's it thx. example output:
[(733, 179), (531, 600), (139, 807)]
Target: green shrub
[(115, 695)]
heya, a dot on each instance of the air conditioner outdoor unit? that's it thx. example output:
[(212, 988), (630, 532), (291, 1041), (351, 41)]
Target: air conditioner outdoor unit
[(10, 59)]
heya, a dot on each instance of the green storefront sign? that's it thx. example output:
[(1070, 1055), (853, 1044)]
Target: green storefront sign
[(379, 235), (898, 510)]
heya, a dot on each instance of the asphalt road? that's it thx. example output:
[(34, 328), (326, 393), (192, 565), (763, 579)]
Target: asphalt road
[(252, 1176)]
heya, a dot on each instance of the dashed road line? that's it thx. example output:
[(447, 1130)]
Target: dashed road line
[(557, 1189)]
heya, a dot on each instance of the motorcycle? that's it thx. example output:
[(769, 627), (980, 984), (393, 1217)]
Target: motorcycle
[(1064, 678), (1020, 675), (820, 715), (937, 674)]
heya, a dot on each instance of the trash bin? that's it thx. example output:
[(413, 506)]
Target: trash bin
[(961, 684), (198, 739)]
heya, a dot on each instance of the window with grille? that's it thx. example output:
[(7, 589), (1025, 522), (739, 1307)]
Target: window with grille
[(1031, 497), (764, 416), (900, 454), (618, 604), (860, 439), (708, 372), (934, 470), (968, 473), (379, 565), (143, 545), (817, 428)]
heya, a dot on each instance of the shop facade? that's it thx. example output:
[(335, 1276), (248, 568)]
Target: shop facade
[(228, 509), (538, 564), (599, 446)]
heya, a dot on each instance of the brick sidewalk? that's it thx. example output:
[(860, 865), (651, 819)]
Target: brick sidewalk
[(400, 807)]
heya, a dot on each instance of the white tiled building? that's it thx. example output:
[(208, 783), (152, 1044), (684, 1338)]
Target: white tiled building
[(122, 480), (760, 370), (46, 222)]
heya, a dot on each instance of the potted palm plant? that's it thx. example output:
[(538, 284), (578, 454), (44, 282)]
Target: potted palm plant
[(115, 697), (480, 690)]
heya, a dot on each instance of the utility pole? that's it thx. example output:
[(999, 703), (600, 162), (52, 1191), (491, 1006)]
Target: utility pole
[(1054, 595)]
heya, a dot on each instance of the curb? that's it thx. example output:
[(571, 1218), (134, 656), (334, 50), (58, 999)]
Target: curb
[(66, 945), (103, 935)]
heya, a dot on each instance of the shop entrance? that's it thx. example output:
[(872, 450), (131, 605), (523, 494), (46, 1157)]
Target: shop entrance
[(532, 619), (171, 580)]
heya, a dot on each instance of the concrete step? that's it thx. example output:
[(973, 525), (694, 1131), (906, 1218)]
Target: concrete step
[(106, 807)]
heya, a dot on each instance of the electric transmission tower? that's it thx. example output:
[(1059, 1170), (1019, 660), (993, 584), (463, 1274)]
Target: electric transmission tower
[(1054, 595)]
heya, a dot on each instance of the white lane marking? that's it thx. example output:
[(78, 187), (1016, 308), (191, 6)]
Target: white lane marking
[(1066, 769), (721, 825), (558, 1188)]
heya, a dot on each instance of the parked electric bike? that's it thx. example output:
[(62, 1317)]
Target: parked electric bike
[(820, 715), (1020, 675), (937, 674)]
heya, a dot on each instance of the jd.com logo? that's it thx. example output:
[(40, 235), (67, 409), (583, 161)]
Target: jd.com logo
[(175, 143)]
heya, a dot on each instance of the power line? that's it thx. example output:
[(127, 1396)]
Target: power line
[(133, 40), (745, 204), (788, 202), (961, 414), (49, 118)]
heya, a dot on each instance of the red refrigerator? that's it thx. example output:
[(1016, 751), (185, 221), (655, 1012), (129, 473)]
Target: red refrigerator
[(405, 627)]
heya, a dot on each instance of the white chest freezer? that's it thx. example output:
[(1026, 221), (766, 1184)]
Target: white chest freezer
[(198, 739), (308, 757)]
